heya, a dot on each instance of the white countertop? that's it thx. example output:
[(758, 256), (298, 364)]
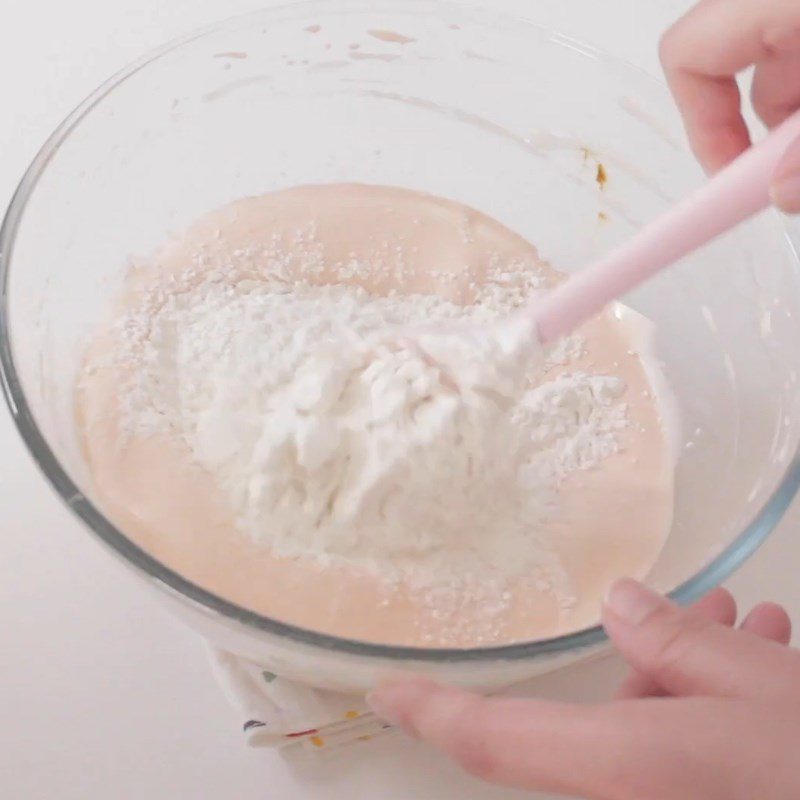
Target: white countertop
[(102, 694)]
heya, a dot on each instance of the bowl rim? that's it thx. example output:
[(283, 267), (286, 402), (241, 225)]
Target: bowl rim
[(732, 556)]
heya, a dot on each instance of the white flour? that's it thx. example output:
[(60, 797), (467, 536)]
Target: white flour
[(333, 441)]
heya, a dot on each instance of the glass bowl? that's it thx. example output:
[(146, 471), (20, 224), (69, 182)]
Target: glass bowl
[(494, 112)]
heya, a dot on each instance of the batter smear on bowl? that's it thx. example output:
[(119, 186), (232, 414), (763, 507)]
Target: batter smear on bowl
[(255, 417)]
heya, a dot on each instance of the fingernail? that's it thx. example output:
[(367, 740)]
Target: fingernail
[(785, 193), (633, 603), (395, 702), (383, 703)]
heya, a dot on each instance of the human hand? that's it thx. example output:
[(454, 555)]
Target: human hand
[(702, 54), (709, 712)]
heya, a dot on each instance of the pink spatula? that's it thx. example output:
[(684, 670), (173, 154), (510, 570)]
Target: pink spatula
[(731, 196)]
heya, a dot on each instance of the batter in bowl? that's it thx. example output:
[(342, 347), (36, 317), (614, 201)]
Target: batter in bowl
[(254, 417)]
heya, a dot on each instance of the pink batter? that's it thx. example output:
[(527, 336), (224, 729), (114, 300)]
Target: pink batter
[(609, 521)]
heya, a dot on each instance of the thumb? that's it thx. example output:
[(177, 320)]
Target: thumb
[(785, 188), (628, 749), (689, 654)]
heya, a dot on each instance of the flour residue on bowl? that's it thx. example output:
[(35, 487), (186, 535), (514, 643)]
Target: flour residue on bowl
[(393, 37)]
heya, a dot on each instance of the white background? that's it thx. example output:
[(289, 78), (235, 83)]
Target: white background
[(101, 694)]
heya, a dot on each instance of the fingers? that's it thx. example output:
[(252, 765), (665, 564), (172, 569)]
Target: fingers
[(629, 749), (769, 621), (785, 190), (711, 109), (775, 92), (530, 744), (702, 54), (717, 606), (656, 747), (687, 654), (718, 38)]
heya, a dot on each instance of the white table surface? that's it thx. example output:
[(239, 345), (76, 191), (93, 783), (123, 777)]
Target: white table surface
[(102, 695)]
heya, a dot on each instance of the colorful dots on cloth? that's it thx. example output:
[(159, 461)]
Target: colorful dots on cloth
[(299, 721)]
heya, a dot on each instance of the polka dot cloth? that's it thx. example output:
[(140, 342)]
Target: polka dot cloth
[(296, 719)]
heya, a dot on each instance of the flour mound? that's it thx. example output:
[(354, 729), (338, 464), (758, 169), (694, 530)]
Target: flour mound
[(432, 461)]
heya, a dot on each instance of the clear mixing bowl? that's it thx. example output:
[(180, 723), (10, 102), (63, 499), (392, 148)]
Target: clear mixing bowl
[(490, 111)]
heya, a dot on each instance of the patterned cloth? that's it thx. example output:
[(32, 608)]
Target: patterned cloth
[(288, 716)]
